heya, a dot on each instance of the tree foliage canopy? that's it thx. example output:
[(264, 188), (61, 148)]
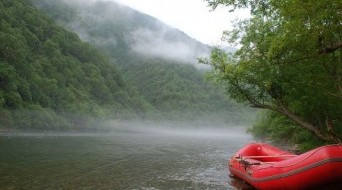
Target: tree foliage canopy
[(290, 61)]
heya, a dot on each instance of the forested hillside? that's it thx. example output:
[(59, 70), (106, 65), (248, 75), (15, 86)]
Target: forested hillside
[(180, 92), (122, 32), (52, 73), (52, 79), (157, 60)]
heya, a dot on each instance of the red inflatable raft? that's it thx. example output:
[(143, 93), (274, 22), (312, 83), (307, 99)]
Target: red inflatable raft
[(267, 167)]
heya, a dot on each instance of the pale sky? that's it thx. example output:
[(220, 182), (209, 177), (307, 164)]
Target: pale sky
[(193, 17)]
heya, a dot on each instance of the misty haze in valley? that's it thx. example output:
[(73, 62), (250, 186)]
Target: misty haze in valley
[(141, 33)]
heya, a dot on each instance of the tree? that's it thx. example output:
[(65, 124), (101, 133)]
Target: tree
[(290, 61)]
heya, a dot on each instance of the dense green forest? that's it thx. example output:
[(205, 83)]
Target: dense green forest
[(290, 64), (51, 79), (46, 69), (181, 93), (174, 87)]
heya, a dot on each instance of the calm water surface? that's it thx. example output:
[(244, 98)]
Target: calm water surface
[(192, 159)]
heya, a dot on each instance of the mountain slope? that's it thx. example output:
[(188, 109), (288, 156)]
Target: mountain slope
[(121, 31), (45, 68), (158, 60), (180, 92)]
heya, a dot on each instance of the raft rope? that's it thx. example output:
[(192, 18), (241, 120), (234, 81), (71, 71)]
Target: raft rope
[(272, 156), (246, 163)]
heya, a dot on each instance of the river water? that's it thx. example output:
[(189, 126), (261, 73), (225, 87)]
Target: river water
[(148, 160)]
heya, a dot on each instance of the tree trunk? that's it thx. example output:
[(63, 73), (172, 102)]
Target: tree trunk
[(307, 125), (285, 111)]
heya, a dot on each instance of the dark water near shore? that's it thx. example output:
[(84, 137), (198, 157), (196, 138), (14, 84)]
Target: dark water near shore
[(191, 159)]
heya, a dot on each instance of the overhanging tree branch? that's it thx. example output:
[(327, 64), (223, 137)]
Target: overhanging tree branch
[(279, 107), (331, 48)]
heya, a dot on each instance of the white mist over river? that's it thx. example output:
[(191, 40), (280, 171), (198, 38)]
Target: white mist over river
[(129, 157)]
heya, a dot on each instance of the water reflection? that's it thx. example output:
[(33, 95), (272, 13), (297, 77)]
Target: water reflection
[(151, 159)]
